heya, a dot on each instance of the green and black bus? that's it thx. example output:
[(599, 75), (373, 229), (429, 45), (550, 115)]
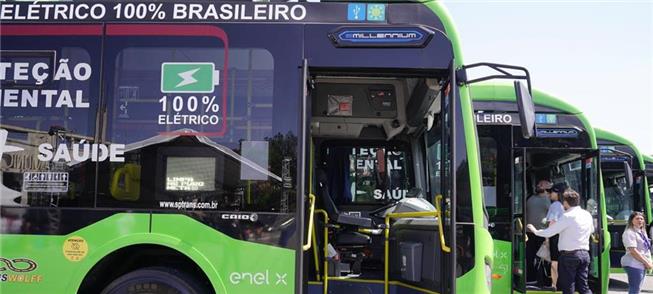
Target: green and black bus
[(648, 162), (624, 182), (563, 149), (239, 147)]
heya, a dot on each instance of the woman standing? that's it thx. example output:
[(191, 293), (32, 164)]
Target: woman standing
[(556, 210), (638, 252)]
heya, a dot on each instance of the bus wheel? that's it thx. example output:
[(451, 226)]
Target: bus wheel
[(155, 280)]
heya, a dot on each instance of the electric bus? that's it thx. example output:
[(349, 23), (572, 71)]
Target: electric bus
[(648, 161), (624, 182), (563, 149), (239, 147)]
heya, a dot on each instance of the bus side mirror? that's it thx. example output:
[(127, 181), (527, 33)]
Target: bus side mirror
[(526, 110), (628, 174)]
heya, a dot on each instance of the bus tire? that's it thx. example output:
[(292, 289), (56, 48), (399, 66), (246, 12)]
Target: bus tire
[(155, 280)]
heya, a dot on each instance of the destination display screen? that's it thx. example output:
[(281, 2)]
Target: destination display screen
[(190, 174)]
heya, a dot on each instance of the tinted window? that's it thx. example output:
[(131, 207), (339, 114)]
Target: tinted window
[(49, 97), (619, 198), (489, 155), (189, 117), (214, 130)]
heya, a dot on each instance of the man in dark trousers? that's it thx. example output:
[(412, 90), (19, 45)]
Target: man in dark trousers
[(574, 228)]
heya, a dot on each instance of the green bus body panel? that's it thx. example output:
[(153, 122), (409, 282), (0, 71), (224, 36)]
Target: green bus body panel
[(606, 135), (232, 266), (242, 267), (502, 267), (647, 158), (59, 275), (474, 280), (506, 93)]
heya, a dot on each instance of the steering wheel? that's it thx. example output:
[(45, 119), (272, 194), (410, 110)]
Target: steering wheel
[(384, 207)]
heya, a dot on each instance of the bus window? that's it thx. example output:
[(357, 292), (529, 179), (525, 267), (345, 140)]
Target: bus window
[(618, 196), (220, 146), (572, 174), (50, 91), (489, 155), (583, 183)]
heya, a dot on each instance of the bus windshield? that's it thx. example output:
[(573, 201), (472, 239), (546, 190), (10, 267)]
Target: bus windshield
[(619, 197), (372, 174)]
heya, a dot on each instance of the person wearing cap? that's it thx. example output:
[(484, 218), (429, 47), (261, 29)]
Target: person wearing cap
[(536, 208), (574, 227), (556, 210)]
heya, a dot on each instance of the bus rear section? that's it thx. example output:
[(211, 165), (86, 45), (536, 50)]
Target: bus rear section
[(648, 161), (624, 180), (312, 148), (563, 150)]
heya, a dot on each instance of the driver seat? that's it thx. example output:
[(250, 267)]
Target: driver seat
[(348, 236)]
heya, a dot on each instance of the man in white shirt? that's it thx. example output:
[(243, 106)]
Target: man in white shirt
[(574, 227)]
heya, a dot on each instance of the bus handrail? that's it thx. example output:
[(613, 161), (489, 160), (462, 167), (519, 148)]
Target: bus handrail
[(311, 199), (433, 213), (325, 280), (521, 228), (438, 210)]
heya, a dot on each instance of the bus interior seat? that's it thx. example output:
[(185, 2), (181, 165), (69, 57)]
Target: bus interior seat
[(348, 242), (332, 210)]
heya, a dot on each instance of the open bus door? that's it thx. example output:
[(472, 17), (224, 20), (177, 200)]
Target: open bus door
[(591, 192), (518, 225), (580, 172)]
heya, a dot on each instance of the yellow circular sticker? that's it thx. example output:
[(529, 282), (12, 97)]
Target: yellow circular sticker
[(75, 248)]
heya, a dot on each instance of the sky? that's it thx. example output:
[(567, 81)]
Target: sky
[(596, 55)]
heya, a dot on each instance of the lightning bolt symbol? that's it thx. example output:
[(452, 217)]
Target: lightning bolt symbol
[(187, 77)]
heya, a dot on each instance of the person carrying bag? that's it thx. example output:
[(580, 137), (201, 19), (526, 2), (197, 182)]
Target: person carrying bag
[(637, 259)]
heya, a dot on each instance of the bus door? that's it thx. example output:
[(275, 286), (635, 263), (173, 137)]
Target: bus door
[(591, 195), (518, 221), (579, 169), (495, 142), (582, 175)]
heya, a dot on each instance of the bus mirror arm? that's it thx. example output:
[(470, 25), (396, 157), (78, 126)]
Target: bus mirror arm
[(311, 212), (503, 72)]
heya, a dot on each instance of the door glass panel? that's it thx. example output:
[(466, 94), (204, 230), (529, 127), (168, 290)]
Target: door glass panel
[(592, 206), (518, 225)]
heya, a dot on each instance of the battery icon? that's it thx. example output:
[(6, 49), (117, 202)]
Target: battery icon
[(189, 77)]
